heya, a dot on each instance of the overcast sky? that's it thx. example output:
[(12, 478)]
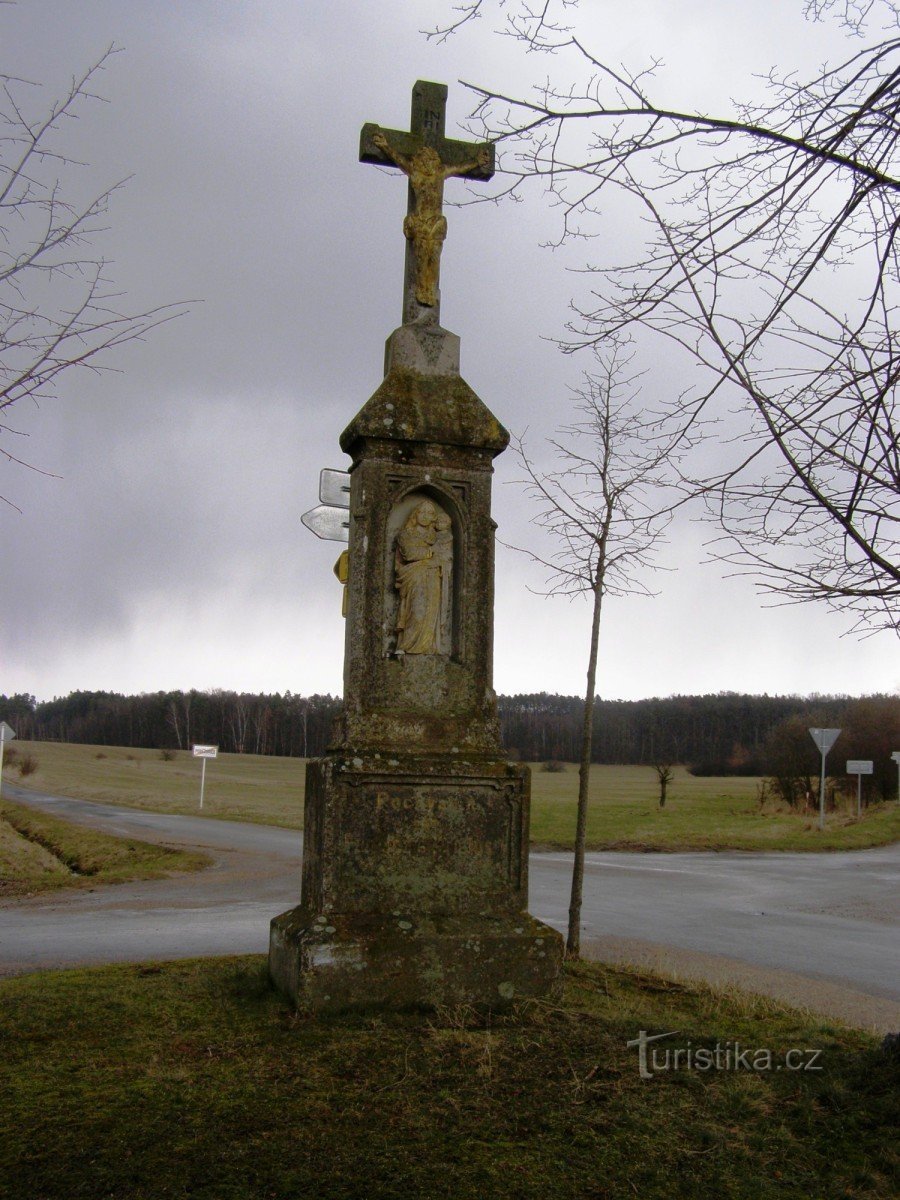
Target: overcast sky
[(168, 552)]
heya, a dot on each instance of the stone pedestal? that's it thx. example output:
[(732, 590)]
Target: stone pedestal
[(415, 873), (414, 888)]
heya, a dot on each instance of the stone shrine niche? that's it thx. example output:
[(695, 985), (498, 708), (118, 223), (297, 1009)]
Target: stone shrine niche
[(421, 560)]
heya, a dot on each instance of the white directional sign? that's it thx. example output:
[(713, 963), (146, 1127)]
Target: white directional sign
[(824, 738), (328, 522), (860, 766), (334, 487), (204, 752)]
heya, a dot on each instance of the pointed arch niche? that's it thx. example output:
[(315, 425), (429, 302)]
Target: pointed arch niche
[(422, 573)]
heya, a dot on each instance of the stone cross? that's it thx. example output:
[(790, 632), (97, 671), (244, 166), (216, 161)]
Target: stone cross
[(427, 158), (415, 851)]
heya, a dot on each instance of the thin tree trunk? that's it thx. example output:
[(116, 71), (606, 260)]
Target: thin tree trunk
[(573, 941)]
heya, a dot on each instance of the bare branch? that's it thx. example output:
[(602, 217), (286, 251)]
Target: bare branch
[(770, 263), (58, 309)]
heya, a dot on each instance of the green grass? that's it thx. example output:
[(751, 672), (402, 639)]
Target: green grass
[(195, 1080), (39, 853), (700, 814)]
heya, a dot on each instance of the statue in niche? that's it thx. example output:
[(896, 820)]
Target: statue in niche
[(423, 562)]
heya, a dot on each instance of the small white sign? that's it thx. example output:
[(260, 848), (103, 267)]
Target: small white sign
[(205, 751), (328, 522), (896, 757), (7, 733), (859, 766), (334, 487)]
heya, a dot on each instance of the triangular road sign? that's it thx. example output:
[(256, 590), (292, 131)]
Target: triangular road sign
[(824, 738)]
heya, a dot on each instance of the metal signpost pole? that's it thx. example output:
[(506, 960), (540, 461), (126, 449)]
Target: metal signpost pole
[(7, 733), (859, 767), (824, 739)]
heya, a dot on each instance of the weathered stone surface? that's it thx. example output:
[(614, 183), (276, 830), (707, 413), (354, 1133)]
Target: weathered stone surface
[(415, 884), (421, 834), (411, 407), (407, 960), (427, 349)]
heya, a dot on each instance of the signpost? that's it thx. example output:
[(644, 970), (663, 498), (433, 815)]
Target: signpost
[(204, 752), (824, 739), (331, 519), (859, 767), (7, 733)]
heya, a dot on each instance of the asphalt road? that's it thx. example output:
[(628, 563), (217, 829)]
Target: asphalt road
[(819, 930)]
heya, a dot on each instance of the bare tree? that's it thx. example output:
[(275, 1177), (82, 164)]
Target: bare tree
[(770, 258), (58, 309), (603, 509), (664, 777)]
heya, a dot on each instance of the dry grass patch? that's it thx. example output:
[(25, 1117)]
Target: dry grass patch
[(39, 853), (194, 1079)]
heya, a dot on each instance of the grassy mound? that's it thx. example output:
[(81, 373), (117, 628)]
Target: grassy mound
[(39, 852), (195, 1080)]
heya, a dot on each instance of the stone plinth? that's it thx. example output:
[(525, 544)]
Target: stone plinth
[(415, 881), (415, 870)]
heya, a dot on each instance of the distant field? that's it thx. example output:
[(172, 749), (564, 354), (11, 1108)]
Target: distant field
[(701, 814), (240, 787)]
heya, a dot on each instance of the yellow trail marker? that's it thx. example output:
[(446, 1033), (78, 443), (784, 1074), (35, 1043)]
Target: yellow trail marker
[(342, 571)]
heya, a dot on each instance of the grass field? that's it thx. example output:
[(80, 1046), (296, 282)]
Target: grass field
[(194, 1079), (39, 853), (700, 814)]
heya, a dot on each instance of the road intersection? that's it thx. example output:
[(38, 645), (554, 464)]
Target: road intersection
[(814, 929)]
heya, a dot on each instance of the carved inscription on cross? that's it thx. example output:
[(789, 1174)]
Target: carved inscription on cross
[(427, 158)]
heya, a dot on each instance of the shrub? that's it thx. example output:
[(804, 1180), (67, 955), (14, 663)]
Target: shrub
[(716, 768), (10, 754), (553, 766), (167, 755), (27, 765)]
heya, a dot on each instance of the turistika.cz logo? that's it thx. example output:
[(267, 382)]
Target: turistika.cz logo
[(723, 1056)]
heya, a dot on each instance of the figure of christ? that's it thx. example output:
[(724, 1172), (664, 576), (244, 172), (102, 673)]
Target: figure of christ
[(443, 552), (417, 572), (426, 225)]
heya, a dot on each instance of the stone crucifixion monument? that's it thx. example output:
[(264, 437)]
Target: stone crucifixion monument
[(415, 860)]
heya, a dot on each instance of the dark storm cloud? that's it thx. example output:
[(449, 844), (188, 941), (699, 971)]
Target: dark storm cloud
[(183, 474)]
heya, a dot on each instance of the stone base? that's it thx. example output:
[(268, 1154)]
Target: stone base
[(339, 963)]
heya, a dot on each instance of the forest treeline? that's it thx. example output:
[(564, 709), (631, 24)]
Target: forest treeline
[(714, 734)]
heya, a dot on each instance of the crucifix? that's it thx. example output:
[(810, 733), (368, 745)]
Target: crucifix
[(415, 852), (427, 158)]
